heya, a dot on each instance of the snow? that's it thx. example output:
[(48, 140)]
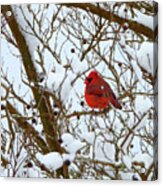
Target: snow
[(139, 16), (70, 144), (74, 146), (93, 137), (21, 16), (57, 78), (78, 66), (39, 128), (145, 158), (8, 13), (145, 19), (30, 173), (62, 91), (69, 157), (142, 104), (67, 138), (52, 161), (145, 57), (127, 161), (89, 137), (104, 151)]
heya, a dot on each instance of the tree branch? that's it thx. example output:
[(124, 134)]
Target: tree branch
[(27, 128), (41, 98), (133, 25)]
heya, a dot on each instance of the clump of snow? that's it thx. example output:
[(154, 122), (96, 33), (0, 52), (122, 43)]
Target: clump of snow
[(70, 144), (142, 104), (39, 128), (8, 13), (52, 161), (143, 10), (67, 138), (69, 157)]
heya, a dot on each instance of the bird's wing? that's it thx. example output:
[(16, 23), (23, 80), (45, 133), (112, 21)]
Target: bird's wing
[(100, 89), (108, 91), (112, 98), (94, 89)]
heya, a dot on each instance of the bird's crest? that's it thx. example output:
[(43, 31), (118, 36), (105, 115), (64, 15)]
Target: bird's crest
[(91, 75)]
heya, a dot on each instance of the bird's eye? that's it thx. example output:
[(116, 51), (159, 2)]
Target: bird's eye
[(89, 79)]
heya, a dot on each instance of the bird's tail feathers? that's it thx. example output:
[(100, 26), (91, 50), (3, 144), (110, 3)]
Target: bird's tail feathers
[(116, 103)]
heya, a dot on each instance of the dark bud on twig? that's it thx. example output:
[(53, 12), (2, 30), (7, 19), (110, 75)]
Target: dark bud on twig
[(41, 80), (60, 140), (41, 77), (84, 41), (55, 113), (134, 178), (2, 107), (131, 146), (78, 117), (67, 162), (125, 10), (125, 26), (28, 107), (33, 120), (123, 88), (42, 167), (72, 50), (82, 103), (55, 105), (29, 165), (34, 113)]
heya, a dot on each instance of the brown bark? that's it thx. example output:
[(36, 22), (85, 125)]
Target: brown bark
[(41, 98), (133, 25)]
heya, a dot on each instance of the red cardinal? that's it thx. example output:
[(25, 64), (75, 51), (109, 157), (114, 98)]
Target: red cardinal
[(98, 93)]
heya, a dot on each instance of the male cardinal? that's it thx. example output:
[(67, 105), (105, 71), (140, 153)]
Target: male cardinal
[(98, 93)]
